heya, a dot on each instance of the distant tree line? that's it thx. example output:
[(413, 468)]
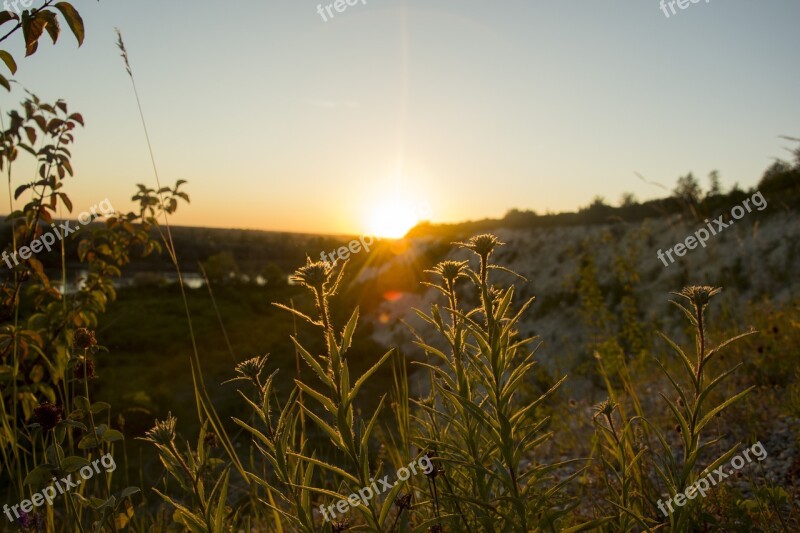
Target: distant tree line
[(780, 183)]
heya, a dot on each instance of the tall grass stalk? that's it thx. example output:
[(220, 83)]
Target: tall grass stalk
[(205, 407)]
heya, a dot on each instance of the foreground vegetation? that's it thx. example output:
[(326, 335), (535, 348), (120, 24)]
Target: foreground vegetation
[(291, 418), (480, 424)]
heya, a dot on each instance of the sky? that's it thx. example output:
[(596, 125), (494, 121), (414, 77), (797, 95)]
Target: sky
[(447, 110)]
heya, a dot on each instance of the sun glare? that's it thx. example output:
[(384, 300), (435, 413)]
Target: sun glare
[(392, 218)]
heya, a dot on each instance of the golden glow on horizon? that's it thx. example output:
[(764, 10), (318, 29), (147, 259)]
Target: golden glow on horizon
[(391, 218), (393, 215)]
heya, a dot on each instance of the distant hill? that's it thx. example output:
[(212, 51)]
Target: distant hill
[(596, 274)]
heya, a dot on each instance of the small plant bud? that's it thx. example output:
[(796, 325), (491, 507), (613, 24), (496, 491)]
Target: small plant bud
[(605, 408), (211, 440), (483, 245), (314, 275), (47, 415), (84, 339), (84, 368), (450, 271), (338, 527), (403, 502), (163, 432)]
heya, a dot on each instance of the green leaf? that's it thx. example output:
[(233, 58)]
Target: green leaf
[(388, 502), (74, 20), (8, 59), (332, 433), (674, 383), (73, 463), (324, 400), (687, 364), (521, 414), (128, 491), (313, 363), (39, 475), (706, 419), (367, 431), (725, 457), (219, 515), (366, 376), (682, 422), (708, 388), (88, 442), (336, 360), (305, 499), (82, 403), (112, 435), (75, 424), (347, 334), (326, 466), (98, 406)]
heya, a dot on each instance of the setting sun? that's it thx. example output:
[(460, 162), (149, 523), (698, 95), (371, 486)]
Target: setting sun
[(392, 218)]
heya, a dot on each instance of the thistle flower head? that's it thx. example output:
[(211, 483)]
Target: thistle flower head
[(251, 369), (605, 408), (314, 275), (483, 245), (47, 415), (698, 295), (84, 339), (163, 432), (450, 271)]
